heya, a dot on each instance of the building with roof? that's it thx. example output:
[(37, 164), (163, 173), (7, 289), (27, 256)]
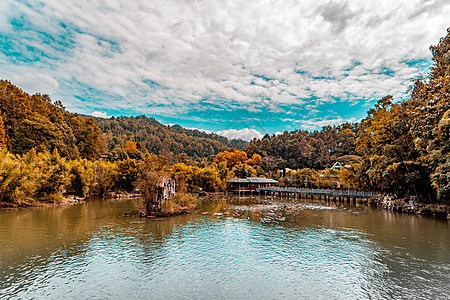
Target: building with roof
[(249, 184), (337, 166)]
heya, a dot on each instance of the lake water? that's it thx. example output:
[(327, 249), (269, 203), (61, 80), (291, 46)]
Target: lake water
[(231, 248)]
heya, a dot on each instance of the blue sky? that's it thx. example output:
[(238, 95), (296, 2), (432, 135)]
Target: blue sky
[(240, 68)]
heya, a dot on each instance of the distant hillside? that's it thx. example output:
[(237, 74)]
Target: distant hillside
[(161, 139), (303, 149)]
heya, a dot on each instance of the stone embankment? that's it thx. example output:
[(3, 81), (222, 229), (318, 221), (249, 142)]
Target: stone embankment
[(72, 199), (121, 195), (410, 205)]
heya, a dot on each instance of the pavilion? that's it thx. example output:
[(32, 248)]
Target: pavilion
[(249, 184)]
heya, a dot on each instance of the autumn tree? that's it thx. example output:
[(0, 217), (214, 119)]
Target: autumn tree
[(208, 179), (254, 161), (150, 177), (2, 133), (126, 174), (429, 110), (232, 157), (243, 171), (35, 122), (305, 178), (390, 156)]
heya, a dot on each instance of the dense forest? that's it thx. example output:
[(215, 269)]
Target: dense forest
[(400, 147), (34, 122), (302, 149), (162, 140)]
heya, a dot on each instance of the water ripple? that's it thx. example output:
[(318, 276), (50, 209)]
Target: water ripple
[(316, 252)]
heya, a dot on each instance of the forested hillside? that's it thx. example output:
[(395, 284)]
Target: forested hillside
[(34, 122), (303, 149), (161, 139)]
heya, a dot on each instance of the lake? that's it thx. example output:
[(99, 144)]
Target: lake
[(230, 248)]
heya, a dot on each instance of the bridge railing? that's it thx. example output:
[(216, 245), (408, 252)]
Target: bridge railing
[(329, 192)]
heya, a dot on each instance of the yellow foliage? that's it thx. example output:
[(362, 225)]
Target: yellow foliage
[(209, 179), (347, 179), (255, 160), (130, 147), (232, 157)]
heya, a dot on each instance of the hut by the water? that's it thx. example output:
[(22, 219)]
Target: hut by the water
[(249, 184)]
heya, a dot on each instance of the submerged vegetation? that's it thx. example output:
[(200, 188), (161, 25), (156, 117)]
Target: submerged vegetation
[(401, 147)]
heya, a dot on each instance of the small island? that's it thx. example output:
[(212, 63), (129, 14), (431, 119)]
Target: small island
[(160, 198)]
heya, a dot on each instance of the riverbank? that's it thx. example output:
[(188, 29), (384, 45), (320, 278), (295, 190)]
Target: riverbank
[(67, 200), (411, 206)]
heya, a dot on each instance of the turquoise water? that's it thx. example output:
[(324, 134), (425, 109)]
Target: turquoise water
[(229, 249)]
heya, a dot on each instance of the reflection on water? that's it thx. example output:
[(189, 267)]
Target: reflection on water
[(230, 248)]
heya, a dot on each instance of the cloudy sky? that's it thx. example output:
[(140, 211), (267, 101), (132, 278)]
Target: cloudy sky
[(241, 68)]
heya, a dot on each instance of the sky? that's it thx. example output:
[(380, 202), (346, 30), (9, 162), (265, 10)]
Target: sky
[(238, 68)]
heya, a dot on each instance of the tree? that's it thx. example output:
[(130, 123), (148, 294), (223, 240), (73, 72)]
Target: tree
[(348, 179), (2, 133), (305, 178), (390, 158), (243, 171), (35, 122), (149, 180), (126, 174), (429, 111), (254, 161), (305, 152), (232, 157)]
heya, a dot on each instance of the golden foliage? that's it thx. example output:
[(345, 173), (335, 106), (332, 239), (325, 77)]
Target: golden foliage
[(232, 157)]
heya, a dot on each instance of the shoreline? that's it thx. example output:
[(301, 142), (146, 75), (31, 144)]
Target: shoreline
[(70, 200), (403, 205), (389, 203)]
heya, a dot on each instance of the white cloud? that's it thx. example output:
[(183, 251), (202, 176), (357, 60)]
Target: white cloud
[(199, 129), (245, 134), (100, 114), (315, 124), (35, 83)]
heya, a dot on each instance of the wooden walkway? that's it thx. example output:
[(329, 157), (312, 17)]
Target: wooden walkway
[(325, 194)]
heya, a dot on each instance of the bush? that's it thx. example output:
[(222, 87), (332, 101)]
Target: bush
[(180, 203)]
